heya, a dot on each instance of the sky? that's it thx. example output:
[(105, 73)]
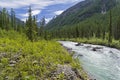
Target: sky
[(41, 8)]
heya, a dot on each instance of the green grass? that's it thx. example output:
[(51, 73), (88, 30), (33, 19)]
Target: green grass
[(114, 44), (25, 60)]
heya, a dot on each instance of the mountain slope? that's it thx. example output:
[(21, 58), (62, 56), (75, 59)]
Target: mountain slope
[(81, 12), (18, 21)]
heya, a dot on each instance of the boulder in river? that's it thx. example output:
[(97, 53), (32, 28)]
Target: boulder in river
[(110, 52), (87, 46), (80, 55), (68, 49), (96, 48), (79, 44)]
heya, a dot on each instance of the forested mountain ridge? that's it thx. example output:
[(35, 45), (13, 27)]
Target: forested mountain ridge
[(81, 11)]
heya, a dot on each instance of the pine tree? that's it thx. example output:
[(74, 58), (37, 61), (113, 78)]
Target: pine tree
[(77, 32), (42, 25), (0, 19), (29, 25), (12, 18), (110, 29), (4, 18), (43, 22), (117, 30), (35, 28), (7, 22)]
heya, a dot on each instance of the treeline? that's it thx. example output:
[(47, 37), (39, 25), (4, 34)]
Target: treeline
[(9, 21), (33, 31), (104, 28)]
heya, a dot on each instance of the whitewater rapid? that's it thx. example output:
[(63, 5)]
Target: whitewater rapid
[(102, 63)]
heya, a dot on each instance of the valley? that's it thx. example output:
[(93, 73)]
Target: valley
[(82, 42)]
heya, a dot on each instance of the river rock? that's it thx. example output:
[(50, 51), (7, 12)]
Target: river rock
[(79, 44), (3, 54), (80, 55), (69, 73), (12, 63), (35, 62), (69, 49), (96, 48), (16, 57), (110, 52), (87, 46)]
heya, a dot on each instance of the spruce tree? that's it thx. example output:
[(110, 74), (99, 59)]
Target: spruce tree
[(42, 25), (35, 28), (29, 25), (3, 18), (110, 29), (12, 18), (77, 32)]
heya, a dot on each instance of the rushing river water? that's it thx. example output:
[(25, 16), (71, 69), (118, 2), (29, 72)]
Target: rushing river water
[(99, 61)]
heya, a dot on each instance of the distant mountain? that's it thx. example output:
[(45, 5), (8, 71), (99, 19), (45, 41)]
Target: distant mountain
[(17, 19), (80, 12)]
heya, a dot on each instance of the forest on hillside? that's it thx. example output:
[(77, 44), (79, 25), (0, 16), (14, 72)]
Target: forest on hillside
[(29, 51)]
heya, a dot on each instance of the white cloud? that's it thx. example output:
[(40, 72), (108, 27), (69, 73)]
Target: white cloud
[(48, 19), (24, 19), (35, 3), (58, 12), (35, 12)]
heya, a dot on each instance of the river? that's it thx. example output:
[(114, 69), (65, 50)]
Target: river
[(103, 63)]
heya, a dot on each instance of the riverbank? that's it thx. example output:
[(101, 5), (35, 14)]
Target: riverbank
[(39, 60), (97, 60), (95, 41), (88, 76)]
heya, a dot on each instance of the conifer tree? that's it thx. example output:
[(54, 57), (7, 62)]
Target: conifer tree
[(12, 18), (42, 24), (3, 18), (117, 30), (35, 28), (7, 21), (77, 32), (110, 29), (31, 26)]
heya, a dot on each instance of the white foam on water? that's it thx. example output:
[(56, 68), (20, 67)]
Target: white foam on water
[(104, 63)]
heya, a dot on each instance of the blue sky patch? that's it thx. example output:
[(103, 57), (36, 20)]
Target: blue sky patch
[(41, 8)]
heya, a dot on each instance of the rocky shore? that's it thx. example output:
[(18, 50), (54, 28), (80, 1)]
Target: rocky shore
[(75, 72)]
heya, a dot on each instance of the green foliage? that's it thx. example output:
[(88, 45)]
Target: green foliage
[(94, 22), (4, 61), (31, 26), (13, 21), (9, 21), (96, 41), (110, 29), (26, 60), (80, 12)]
